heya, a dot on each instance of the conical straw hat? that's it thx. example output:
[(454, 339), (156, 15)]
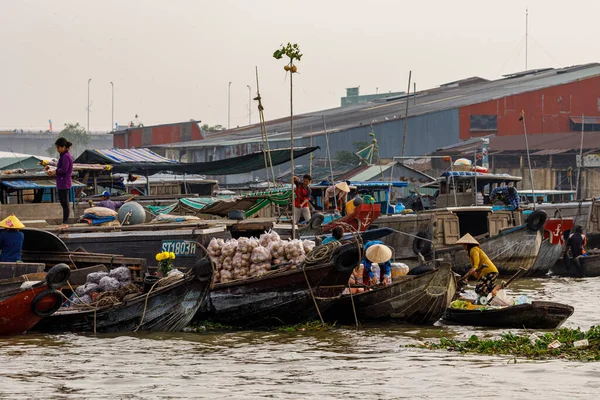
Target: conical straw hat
[(11, 222), (379, 253), (467, 239), (343, 186)]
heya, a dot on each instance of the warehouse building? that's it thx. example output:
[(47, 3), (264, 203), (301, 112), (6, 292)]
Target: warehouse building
[(553, 101)]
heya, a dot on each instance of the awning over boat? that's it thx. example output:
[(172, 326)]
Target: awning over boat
[(21, 184), (230, 166), (250, 204)]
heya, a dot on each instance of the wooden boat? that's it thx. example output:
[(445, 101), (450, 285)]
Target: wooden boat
[(26, 299), (588, 267), (167, 308), (509, 250), (42, 250), (282, 297), (537, 315), (418, 299), (552, 247)]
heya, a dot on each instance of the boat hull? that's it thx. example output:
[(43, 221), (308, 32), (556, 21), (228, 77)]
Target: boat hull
[(537, 315), (509, 251), (16, 315), (419, 299), (588, 267), (547, 257), (280, 298), (166, 309)]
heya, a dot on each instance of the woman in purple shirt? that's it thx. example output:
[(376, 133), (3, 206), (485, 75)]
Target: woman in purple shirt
[(63, 172)]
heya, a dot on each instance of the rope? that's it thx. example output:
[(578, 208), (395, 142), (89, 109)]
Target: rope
[(312, 295), (322, 254)]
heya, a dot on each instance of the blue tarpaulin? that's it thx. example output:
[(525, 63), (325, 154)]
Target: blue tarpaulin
[(21, 184)]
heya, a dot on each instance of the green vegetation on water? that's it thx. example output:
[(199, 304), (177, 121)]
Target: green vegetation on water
[(206, 326), (524, 346), (307, 326)]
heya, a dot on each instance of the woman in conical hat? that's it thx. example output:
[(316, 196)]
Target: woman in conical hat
[(11, 239), (482, 267), (377, 252), (335, 196)]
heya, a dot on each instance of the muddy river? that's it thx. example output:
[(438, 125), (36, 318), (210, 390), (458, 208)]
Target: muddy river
[(371, 363)]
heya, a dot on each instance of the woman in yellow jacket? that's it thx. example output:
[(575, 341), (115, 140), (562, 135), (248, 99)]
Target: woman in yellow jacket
[(483, 268)]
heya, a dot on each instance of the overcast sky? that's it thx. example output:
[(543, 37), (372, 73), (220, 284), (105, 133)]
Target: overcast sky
[(172, 60)]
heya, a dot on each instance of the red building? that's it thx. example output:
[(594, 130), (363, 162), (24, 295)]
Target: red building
[(549, 109), (147, 136)]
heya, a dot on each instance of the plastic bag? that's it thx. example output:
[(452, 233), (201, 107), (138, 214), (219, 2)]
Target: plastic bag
[(501, 299), (260, 255), (294, 249), (308, 245), (277, 249), (226, 276)]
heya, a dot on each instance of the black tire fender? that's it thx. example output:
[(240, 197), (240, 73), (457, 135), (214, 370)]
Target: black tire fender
[(536, 220), (41, 296), (203, 270), (58, 276), (420, 245), (347, 259), (316, 221)]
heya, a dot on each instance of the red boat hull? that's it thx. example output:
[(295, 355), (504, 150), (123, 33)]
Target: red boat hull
[(361, 219), (15, 311)]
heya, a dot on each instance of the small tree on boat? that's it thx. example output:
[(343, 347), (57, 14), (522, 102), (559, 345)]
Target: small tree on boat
[(292, 52)]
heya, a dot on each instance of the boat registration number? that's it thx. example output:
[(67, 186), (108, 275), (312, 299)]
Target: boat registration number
[(181, 248)]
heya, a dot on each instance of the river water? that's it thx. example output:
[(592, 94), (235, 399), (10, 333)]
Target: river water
[(372, 363)]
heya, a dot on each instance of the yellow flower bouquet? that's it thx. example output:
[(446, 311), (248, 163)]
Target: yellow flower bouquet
[(164, 262)]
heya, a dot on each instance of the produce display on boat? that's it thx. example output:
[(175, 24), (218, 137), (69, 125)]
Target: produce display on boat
[(238, 259)]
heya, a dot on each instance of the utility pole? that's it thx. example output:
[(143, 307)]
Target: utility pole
[(229, 106), (526, 34), (249, 104), (112, 114), (88, 107)]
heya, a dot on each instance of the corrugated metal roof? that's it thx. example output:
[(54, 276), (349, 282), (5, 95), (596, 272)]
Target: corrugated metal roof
[(370, 172), (133, 155), (539, 143), (427, 101)]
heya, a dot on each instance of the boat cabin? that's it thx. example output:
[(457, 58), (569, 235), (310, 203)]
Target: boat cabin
[(384, 193), (546, 196), (459, 188)]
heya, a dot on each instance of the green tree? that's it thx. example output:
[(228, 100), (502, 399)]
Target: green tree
[(349, 157), (75, 134), (208, 128)]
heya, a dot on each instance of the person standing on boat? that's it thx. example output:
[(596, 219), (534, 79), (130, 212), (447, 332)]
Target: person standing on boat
[(108, 203), (301, 202), (506, 194), (483, 268), (63, 172), (576, 243), (377, 252), (11, 239), (335, 196)]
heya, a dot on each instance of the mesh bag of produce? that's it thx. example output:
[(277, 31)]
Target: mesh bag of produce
[(95, 277), (122, 274), (107, 284), (87, 289)]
